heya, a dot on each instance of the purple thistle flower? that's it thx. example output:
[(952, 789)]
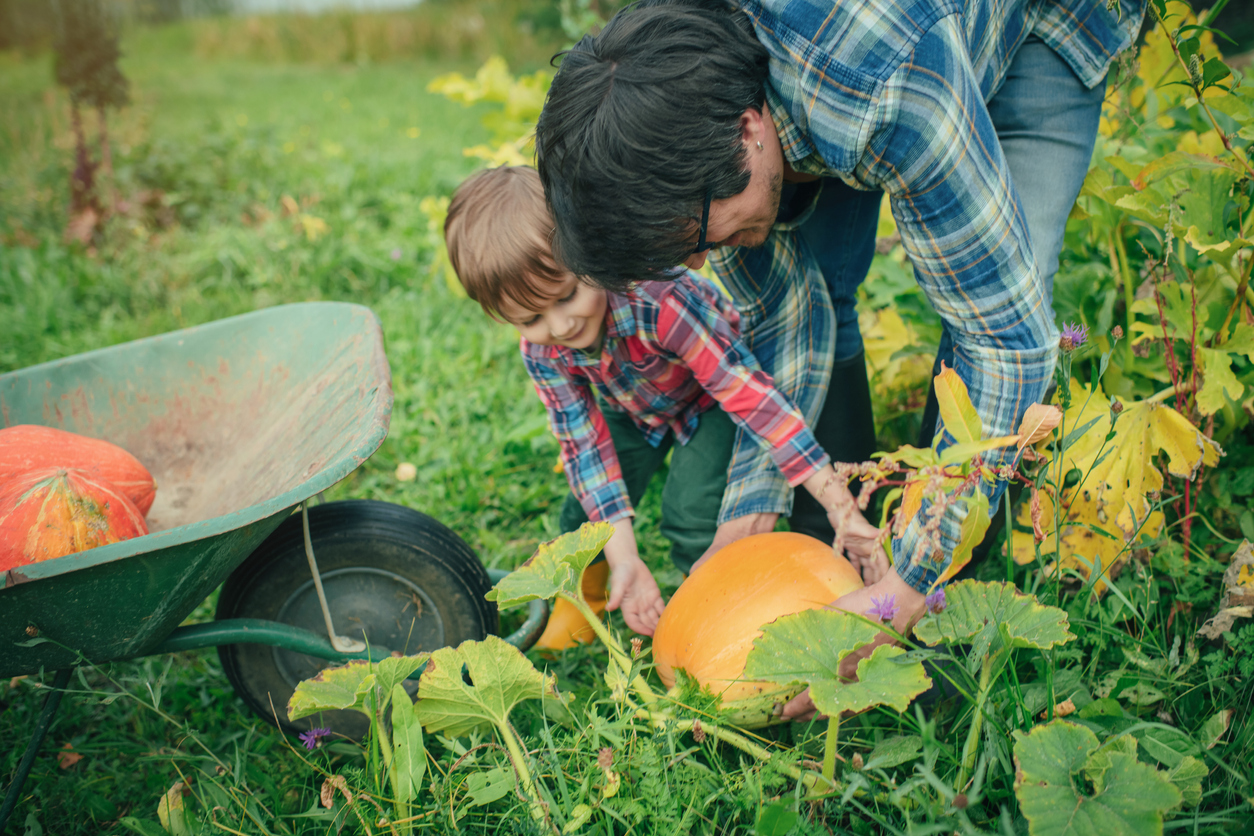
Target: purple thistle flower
[(312, 738), (396, 254), (936, 601), (1073, 336), (883, 607)]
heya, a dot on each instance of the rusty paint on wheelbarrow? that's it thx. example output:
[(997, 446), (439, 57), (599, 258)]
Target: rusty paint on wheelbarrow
[(238, 420)]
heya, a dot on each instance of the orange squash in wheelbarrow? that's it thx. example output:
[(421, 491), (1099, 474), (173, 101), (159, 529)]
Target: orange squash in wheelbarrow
[(52, 512), (27, 447)]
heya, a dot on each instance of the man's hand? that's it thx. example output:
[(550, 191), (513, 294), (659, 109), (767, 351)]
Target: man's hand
[(733, 530), (862, 545), (633, 588), (911, 605)]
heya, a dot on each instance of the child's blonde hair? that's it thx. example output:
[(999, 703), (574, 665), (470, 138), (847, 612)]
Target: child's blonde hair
[(499, 235)]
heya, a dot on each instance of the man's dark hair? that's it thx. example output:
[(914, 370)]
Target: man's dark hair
[(642, 119)]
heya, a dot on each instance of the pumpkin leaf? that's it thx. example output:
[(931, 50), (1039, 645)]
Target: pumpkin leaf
[(993, 611), (1110, 506), (496, 678), (1055, 761), (332, 689), (409, 755), (1038, 422), (1187, 777), (956, 410), (557, 566), (884, 678), (349, 685), (809, 646), (806, 646)]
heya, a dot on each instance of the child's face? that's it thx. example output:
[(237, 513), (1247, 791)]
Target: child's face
[(570, 314)]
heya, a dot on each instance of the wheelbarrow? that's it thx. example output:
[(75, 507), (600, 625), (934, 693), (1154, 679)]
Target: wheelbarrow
[(241, 422)]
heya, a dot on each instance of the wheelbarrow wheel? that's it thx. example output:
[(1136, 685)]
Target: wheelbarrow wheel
[(393, 577)]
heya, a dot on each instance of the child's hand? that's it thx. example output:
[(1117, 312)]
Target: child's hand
[(631, 584), (632, 587)]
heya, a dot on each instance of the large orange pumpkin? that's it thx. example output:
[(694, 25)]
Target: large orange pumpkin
[(52, 512), (709, 625), (27, 447)]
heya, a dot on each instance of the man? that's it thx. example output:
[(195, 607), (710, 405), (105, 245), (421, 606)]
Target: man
[(691, 125)]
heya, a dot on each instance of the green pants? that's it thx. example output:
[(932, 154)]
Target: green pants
[(694, 487)]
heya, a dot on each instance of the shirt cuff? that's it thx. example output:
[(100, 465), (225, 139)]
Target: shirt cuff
[(764, 492)]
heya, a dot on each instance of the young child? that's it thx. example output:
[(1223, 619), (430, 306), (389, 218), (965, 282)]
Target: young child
[(624, 376)]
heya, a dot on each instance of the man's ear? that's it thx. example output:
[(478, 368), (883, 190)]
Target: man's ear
[(753, 126)]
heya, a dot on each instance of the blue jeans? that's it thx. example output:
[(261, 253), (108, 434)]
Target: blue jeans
[(1047, 123)]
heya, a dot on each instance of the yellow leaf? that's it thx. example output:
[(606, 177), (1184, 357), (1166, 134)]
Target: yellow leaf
[(884, 333), (1110, 505), (974, 527), (1038, 422), (912, 499), (956, 410), (1218, 382)]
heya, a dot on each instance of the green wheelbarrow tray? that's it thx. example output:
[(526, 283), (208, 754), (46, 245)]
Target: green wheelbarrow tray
[(239, 421)]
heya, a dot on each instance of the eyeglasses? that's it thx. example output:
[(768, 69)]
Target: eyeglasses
[(702, 246)]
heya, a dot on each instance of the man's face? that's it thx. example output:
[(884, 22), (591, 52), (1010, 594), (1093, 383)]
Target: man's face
[(745, 219)]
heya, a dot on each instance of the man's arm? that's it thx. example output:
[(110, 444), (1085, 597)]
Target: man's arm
[(937, 155), (788, 324)]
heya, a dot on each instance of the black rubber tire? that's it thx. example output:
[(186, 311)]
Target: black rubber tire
[(391, 574)]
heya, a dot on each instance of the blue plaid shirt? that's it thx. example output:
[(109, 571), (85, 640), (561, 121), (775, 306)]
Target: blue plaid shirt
[(890, 94)]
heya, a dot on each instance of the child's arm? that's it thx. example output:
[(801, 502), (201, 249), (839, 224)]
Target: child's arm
[(631, 583), (595, 477), (859, 538)]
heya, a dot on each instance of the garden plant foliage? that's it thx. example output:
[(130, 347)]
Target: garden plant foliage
[(1065, 688)]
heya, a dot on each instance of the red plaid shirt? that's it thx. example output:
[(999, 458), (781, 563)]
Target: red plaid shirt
[(670, 351)]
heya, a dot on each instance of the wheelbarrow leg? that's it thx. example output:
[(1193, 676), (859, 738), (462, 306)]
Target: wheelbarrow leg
[(41, 730)]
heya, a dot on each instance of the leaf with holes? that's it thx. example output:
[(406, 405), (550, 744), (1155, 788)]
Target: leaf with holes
[(806, 646), (809, 646), (975, 611), (886, 677), (1067, 786), (557, 566), (496, 678)]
